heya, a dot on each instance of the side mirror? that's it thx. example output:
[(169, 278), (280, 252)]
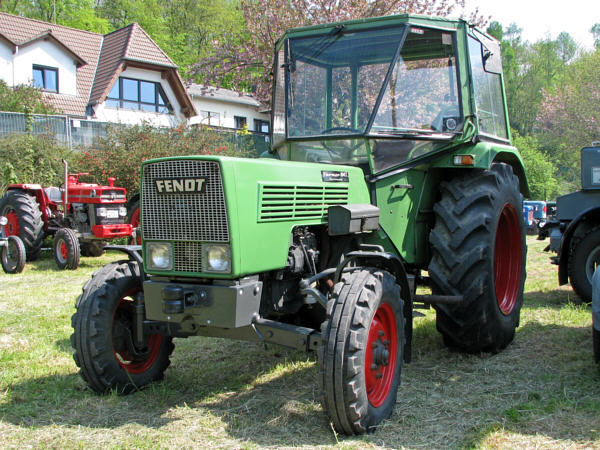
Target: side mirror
[(492, 58)]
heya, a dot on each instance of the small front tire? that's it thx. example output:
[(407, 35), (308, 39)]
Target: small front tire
[(66, 249), (362, 350), (103, 333), (13, 255)]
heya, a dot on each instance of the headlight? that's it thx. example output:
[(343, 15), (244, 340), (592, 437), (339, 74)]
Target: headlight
[(122, 211), (3, 221), (217, 258), (101, 212), (158, 255)]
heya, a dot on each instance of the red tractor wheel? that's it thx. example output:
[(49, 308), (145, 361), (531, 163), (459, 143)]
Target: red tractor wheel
[(24, 220), (134, 214), (66, 249), (478, 252), (105, 350), (362, 350)]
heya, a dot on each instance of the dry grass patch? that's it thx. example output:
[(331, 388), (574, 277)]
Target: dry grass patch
[(542, 391)]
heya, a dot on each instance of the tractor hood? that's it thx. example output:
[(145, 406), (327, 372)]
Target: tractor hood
[(243, 209)]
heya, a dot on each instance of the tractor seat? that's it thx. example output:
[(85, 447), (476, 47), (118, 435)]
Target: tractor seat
[(53, 194)]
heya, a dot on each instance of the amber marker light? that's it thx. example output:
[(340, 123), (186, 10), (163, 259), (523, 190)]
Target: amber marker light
[(464, 160)]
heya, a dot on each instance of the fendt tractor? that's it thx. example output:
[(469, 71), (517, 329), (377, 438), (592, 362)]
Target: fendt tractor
[(80, 216), (391, 167)]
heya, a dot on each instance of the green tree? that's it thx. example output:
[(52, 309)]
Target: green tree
[(540, 170), (72, 13), (569, 116)]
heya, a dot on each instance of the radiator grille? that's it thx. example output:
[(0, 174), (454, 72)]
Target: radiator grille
[(188, 257), (280, 202), (184, 216)]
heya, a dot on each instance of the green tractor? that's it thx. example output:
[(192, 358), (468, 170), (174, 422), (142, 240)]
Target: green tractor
[(391, 167)]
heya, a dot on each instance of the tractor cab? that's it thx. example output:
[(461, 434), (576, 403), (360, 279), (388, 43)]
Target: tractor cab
[(383, 93)]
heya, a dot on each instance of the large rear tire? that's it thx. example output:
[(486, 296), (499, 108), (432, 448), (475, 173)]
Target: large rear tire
[(134, 215), (478, 251), (584, 257), (362, 351), (13, 255), (103, 335), (24, 220)]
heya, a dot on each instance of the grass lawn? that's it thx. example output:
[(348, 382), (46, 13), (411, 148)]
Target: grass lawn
[(542, 391)]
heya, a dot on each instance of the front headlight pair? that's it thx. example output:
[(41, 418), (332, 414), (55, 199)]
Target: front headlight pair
[(111, 212), (215, 257)]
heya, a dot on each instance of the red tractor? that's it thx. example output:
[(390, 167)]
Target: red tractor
[(80, 216)]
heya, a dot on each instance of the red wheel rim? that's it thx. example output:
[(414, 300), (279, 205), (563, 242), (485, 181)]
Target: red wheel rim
[(507, 259), (62, 248), (12, 227), (135, 222), (381, 354), (125, 359)]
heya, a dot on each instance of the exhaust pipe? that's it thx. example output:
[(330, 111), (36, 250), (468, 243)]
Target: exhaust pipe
[(66, 194)]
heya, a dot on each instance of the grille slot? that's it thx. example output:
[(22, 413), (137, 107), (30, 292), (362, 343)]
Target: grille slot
[(188, 257), (184, 216), (112, 196), (280, 202)]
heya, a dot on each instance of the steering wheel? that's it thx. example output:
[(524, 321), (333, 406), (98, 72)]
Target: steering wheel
[(343, 147)]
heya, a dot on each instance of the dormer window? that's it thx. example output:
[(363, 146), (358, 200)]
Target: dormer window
[(129, 93), (45, 78)]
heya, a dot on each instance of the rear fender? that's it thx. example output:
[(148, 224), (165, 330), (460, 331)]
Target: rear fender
[(35, 190)]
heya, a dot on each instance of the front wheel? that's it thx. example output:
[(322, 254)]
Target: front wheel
[(478, 252), (105, 350), (362, 350), (13, 255), (584, 257), (67, 253)]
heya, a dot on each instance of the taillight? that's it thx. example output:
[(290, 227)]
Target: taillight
[(545, 209)]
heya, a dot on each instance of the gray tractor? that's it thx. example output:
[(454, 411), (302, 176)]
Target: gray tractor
[(575, 230)]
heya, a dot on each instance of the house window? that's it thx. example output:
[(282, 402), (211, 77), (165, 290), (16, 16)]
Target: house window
[(45, 78), (240, 122), (261, 126), (210, 118), (138, 95)]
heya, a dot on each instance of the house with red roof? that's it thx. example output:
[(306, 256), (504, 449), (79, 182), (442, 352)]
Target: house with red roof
[(123, 76)]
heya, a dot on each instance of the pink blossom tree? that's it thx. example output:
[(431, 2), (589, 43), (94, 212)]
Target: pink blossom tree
[(245, 62)]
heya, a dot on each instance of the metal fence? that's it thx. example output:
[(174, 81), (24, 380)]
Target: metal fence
[(80, 133)]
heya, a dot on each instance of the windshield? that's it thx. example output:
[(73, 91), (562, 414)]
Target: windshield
[(336, 83)]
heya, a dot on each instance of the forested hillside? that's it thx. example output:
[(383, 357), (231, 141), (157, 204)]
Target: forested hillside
[(552, 85)]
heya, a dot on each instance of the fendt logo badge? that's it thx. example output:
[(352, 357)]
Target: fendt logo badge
[(180, 185)]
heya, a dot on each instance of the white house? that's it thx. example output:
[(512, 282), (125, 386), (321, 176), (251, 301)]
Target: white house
[(122, 76), (225, 108)]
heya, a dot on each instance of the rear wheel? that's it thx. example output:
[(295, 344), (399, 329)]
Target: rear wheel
[(13, 255), (134, 214), (24, 220), (583, 260), (66, 249), (362, 350), (478, 251), (105, 351)]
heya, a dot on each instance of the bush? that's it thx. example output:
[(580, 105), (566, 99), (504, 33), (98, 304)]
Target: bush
[(121, 153), (25, 158), (23, 98)]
